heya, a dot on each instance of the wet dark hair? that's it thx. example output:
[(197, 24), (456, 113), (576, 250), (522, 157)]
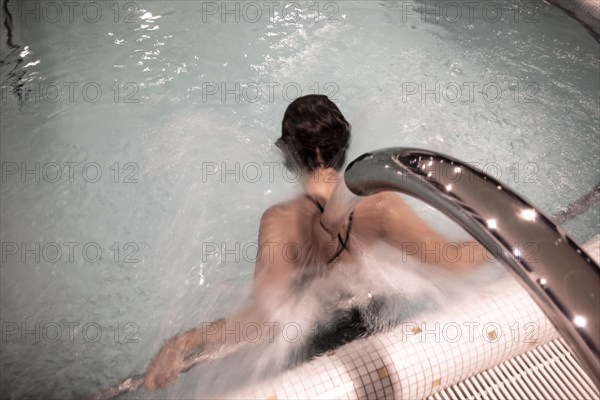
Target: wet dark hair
[(314, 134)]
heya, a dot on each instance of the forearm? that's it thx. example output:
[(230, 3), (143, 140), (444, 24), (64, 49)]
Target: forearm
[(403, 229), (460, 256), (170, 360), (198, 337)]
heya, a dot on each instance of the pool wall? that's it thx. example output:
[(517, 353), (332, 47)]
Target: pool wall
[(586, 11), (419, 358)]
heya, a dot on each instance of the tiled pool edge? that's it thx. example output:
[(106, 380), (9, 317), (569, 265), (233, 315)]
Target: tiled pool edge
[(419, 358)]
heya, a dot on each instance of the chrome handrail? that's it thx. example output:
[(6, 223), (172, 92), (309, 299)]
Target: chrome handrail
[(560, 277)]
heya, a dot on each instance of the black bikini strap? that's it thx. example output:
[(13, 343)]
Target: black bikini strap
[(344, 243), (308, 196)]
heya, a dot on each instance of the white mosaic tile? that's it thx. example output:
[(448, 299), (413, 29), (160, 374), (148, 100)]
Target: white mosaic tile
[(447, 348)]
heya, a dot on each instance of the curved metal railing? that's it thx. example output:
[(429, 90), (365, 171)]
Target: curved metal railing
[(560, 277)]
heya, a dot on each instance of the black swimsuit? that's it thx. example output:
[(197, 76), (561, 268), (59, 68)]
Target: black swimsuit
[(344, 243)]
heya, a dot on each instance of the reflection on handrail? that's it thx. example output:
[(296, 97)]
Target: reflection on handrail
[(560, 277)]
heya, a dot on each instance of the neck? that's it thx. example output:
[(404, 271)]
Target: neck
[(320, 182)]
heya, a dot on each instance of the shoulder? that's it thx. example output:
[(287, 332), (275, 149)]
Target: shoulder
[(382, 203), (272, 213), (391, 199), (282, 211), (376, 213), (286, 219)]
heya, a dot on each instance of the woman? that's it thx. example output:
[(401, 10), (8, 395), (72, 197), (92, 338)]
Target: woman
[(294, 245)]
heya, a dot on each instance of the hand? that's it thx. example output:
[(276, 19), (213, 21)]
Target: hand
[(165, 367)]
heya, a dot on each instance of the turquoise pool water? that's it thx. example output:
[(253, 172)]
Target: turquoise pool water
[(137, 150)]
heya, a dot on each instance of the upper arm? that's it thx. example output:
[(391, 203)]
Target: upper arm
[(401, 224), (403, 228), (274, 272)]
